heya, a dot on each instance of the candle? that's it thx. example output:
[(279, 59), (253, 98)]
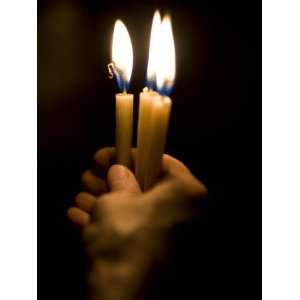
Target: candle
[(145, 104), (154, 110), (121, 67), (124, 122), (160, 113), (143, 135)]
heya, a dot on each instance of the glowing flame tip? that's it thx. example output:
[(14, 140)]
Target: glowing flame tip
[(122, 54), (161, 63)]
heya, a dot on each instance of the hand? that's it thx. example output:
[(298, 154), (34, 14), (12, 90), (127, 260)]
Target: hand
[(176, 187), (125, 229)]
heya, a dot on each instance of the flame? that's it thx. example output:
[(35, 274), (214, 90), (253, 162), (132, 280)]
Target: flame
[(122, 54), (161, 63), (153, 49), (166, 63)]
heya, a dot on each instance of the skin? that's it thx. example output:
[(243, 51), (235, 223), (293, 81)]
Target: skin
[(176, 184), (126, 230)]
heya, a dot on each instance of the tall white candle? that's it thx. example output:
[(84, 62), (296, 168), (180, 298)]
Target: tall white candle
[(160, 114), (122, 62), (143, 135), (154, 110), (124, 123)]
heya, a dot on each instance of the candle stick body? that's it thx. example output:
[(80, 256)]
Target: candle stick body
[(145, 106), (160, 114), (124, 123)]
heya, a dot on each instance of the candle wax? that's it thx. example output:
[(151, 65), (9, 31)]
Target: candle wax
[(124, 123)]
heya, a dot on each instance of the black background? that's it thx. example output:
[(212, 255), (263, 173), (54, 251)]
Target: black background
[(215, 129)]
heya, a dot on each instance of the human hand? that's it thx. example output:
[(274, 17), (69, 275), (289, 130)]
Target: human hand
[(177, 186), (125, 229)]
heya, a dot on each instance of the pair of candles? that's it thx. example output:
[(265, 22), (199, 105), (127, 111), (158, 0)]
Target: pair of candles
[(154, 104)]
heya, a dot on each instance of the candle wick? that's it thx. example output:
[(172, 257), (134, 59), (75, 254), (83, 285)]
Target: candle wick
[(114, 71), (111, 70)]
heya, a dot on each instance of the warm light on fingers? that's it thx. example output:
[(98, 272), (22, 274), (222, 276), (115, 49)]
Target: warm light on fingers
[(78, 216)]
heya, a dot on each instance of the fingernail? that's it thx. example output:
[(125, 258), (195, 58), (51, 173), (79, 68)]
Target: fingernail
[(119, 171)]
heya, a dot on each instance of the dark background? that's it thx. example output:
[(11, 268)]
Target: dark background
[(215, 129)]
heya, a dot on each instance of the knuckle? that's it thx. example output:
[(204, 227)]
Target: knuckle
[(82, 195), (102, 154), (79, 197), (98, 154), (85, 176), (102, 200), (104, 207)]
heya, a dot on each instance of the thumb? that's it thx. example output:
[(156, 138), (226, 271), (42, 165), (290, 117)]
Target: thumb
[(121, 179)]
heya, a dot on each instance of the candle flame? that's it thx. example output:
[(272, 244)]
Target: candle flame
[(166, 69), (161, 63), (122, 54), (153, 49)]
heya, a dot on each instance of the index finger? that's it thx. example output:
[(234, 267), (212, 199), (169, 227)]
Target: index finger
[(105, 158)]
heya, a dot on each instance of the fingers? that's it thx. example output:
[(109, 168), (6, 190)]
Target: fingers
[(93, 183), (182, 187), (103, 159), (78, 216), (183, 180), (176, 198), (85, 201), (172, 197), (172, 166), (121, 179)]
